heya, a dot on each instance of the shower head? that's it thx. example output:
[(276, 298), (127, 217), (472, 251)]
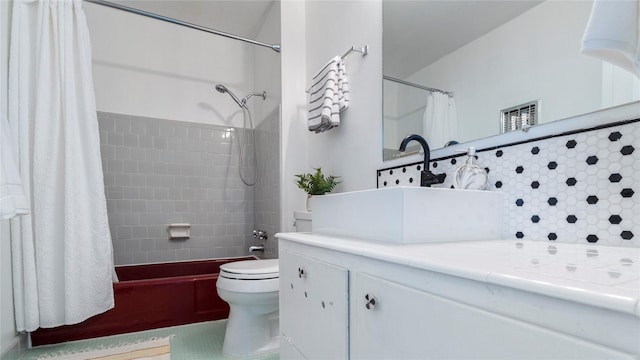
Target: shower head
[(242, 103), (223, 89)]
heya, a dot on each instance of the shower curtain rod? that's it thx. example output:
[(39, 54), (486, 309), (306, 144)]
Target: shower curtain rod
[(417, 86), (274, 47)]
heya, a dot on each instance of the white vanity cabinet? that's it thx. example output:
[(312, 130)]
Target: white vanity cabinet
[(315, 296), (407, 323), (386, 307)]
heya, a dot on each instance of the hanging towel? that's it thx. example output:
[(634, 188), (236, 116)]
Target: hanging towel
[(613, 33), (323, 98), (343, 86), (329, 96), (12, 199)]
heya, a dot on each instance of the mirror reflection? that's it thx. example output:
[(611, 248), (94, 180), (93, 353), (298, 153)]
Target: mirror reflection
[(464, 70)]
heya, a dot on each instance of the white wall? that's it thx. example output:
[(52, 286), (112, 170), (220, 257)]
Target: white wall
[(266, 74), (7, 320), (568, 85), (352, 151), (619, 86), (148, 67), (294, 133)]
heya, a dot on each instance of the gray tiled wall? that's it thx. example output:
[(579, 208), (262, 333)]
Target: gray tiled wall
[(267, 189), (159, 172)]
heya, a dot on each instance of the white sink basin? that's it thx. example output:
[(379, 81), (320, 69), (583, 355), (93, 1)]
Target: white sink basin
[(409, 215)]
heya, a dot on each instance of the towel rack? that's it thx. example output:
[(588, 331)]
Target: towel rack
[(363, 50)]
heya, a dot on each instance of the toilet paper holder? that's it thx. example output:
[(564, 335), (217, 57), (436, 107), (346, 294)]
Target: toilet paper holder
[(179, 231)]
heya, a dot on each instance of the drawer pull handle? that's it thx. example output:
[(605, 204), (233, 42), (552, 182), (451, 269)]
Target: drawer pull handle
[(370, 302)]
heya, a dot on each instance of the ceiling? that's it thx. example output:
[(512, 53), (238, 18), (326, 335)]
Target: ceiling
[(415, 32)]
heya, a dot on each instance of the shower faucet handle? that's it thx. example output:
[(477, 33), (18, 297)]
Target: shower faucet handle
[(260, 235)]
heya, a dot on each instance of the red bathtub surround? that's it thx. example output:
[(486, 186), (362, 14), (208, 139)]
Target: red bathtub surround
[(149, 297)]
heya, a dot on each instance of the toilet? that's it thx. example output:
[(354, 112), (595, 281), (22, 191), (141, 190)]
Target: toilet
[(303, 221), (251, 289)]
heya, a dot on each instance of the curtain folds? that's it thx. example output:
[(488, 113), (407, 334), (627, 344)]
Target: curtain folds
[(62, 253), (440, 120)]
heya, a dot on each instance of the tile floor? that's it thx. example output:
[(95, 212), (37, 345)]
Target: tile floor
[(201, 341)]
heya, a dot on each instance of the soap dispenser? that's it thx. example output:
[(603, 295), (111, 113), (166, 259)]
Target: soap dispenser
[(470, 176)]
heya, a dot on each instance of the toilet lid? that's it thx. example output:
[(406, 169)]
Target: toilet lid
[(251, 269)]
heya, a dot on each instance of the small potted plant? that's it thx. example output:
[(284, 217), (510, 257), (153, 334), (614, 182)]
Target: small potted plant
[(316, 184)]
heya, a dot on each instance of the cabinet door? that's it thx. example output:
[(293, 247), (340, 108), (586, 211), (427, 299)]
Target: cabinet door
[(404, 323), (313, 306)]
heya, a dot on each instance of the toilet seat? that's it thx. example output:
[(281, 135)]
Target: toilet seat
[(251, 270)]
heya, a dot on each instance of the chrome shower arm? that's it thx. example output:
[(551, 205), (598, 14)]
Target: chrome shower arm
[(262, 94)]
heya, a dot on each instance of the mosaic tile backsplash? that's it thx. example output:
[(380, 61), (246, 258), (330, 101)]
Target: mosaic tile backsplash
[(577, 188)]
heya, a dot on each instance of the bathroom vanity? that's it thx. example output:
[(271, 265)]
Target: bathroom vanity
[(343, 297)]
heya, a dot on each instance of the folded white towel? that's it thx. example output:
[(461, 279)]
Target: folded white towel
[(613, 33), (343, 86), (329, 96), (12, 199), (323, 99)]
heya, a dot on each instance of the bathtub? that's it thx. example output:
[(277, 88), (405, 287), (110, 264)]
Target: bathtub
[(152, 296)]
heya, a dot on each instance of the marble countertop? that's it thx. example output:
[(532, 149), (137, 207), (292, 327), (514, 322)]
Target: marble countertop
[(601, 276)]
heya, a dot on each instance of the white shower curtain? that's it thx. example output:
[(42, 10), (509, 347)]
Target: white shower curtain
[(62, 253), (440, 120)]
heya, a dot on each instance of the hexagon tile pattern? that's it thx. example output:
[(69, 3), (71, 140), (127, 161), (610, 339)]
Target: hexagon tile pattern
[(578, 188)]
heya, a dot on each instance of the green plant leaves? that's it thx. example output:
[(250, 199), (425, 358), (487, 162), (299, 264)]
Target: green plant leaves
[(316, 183)]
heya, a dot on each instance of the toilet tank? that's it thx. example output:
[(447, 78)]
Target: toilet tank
[(303, 221)]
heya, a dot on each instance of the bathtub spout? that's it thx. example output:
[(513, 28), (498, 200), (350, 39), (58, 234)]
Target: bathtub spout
[(253, 248)]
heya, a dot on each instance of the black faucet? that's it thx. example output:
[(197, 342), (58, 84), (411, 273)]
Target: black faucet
[(427, 178)]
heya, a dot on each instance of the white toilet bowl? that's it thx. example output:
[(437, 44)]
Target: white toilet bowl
[(251, 289)]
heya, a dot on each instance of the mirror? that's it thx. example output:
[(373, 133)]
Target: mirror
[(516, 53)]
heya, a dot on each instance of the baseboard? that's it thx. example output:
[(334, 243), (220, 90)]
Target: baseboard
[(15, 348)]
